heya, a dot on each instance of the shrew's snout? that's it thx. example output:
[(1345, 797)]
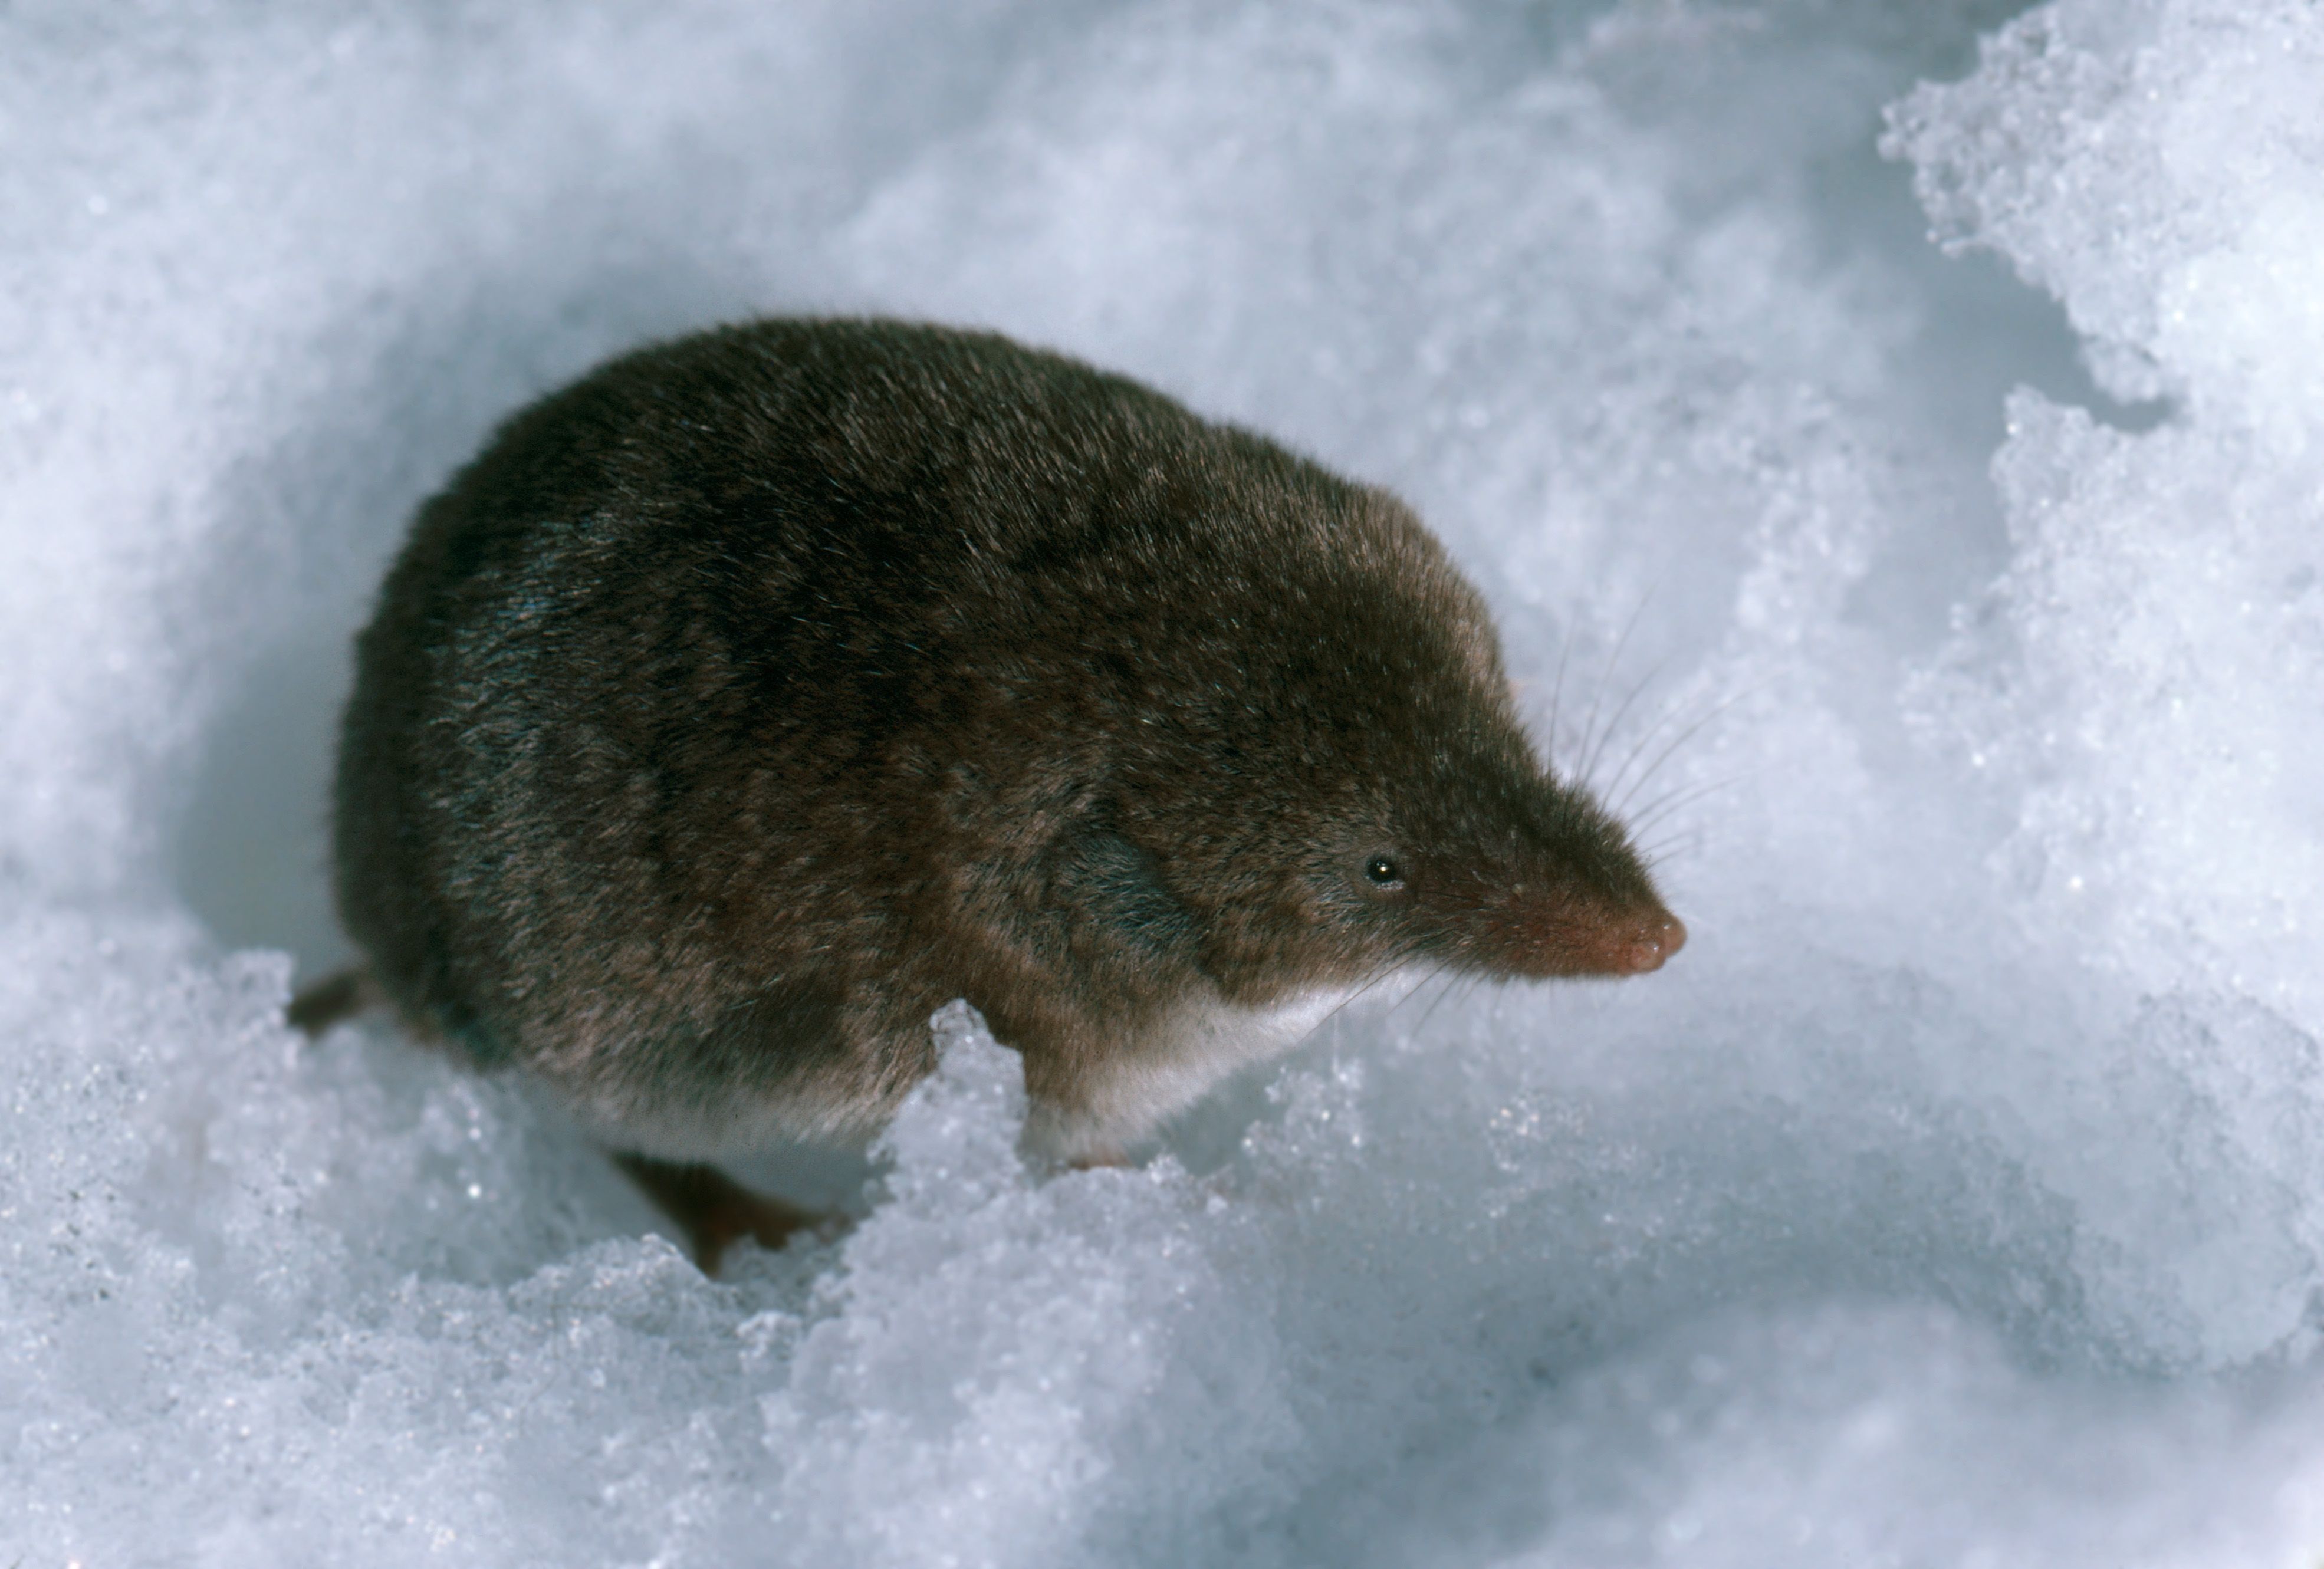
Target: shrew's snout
[(1628, 943), (1563, 940), (1645, 945)]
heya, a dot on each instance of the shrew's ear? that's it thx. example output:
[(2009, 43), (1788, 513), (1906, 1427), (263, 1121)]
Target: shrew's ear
[(1110, 883)]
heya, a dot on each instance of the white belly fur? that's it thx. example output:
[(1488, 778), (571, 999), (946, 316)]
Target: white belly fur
[(1145, 1082), (1168, 1071)]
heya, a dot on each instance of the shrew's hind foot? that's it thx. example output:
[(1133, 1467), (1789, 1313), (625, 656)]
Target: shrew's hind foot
[(713, 1209), (335, 999)]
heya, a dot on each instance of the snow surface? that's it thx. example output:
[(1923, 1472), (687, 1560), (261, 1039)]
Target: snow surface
[(1957, 1197)]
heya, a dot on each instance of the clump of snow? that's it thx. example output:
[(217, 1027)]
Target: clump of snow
[(1952, 1198), (2135, 692)]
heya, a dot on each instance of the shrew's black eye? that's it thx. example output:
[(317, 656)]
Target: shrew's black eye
[(1383, 872)]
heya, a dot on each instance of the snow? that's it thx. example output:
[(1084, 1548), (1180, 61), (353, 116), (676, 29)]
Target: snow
[(1957, 1196)]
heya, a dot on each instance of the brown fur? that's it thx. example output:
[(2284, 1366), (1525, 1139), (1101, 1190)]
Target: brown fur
[(746, 701)]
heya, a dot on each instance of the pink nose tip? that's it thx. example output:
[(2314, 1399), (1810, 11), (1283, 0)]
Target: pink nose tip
[(1657, 942)]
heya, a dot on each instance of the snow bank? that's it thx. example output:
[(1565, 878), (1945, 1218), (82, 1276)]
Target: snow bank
[(1954, 1197)]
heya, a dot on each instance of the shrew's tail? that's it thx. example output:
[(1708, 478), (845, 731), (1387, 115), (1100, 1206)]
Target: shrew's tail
[(335, 999)]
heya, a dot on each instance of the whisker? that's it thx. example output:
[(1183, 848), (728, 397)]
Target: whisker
[(1589, 725), (1682, 737), (1687, 840), (1351, 997), (1614, 722), (1476, 984), (1683, 836), (1557, 690), (1669, 715), (1662, 806), (1435, 972), (1674, 798), (1446, 990)]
